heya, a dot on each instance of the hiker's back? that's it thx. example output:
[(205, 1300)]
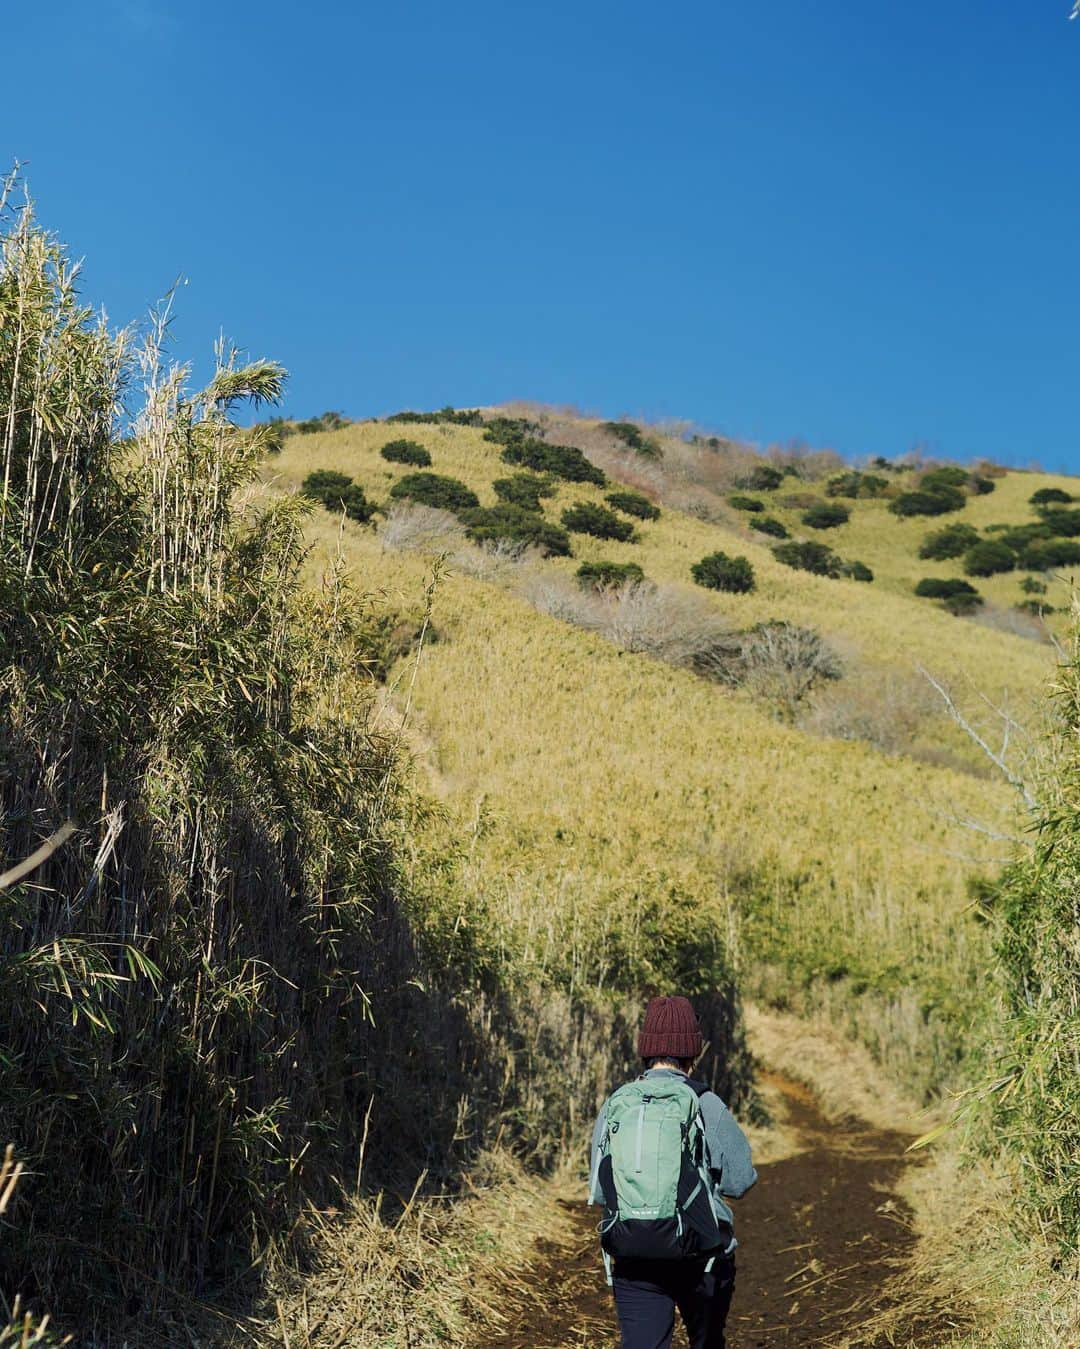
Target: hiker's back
[(652, 1173)]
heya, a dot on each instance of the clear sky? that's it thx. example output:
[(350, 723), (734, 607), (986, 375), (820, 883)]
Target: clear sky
[(850, 223)]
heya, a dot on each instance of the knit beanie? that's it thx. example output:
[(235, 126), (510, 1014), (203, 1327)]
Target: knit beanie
[(670, 1030)]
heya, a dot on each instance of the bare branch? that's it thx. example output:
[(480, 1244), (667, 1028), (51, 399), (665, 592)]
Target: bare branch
[(996, 759)]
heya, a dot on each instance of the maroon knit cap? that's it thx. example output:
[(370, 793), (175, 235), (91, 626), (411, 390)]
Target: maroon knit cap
[(670, 1030)]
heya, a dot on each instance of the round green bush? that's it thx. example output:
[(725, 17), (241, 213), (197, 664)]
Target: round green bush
[(1045, 554), (767, 524), (563, 461), (586, 518), (432, 489), (1049, 496), (1031, 586), (406, 452), (959, 605), (949, 475), (1062, 522), (943, 587), (633, 437), (338, 492), (746, 503), (952, 541), (633, 503), (608, 575), (524, 490), (324, 483), (857, 571), (513, 524), (761, 478), (988, 558), (718, 571), (809, 556), (508, 430), (827, 515), (939, 502), (855, 484)]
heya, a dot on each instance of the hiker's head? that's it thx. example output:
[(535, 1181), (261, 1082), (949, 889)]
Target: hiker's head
[(670, 1033)]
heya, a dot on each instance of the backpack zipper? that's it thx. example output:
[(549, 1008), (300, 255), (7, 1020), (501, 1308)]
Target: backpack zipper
[(640, 1135)]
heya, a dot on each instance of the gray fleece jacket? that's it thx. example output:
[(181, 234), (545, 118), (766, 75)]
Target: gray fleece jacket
[(729, 1152)]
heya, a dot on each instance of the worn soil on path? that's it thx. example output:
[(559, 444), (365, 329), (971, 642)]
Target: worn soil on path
[(822, 1238)]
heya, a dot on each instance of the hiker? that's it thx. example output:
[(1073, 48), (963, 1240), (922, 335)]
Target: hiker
[(666, 1152)]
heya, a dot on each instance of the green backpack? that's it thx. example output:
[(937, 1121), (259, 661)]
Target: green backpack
[(652, 1174)]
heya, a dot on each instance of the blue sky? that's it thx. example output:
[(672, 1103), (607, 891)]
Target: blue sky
[(853, 224)]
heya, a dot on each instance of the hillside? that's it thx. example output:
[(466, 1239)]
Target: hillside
[(623, 811)]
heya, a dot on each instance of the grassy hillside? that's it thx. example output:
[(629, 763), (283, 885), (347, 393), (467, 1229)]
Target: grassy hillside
[(623, 813)]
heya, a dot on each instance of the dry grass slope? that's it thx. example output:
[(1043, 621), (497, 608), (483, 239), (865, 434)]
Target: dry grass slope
[(593, 782)]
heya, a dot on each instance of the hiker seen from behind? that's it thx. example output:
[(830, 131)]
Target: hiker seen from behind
[(666, 1156)]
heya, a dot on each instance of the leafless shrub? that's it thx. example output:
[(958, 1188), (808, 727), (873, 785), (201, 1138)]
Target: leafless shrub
[(413, 528), (669, 622), (780, 662), (885, 709), (492, 561)]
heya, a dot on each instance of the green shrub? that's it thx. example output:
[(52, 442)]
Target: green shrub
[(445, 415), (718, 571), (586, 518), (809, 556), (633, 438), (1063, 523), (827, 515), (524, 490), (959, 605), (506, 430), (767, 524), (981, 485), (1049, 496), (952, 541), (337, 492), (1017, 538), (1045, 554), (562, 461), (326, 421), (507, 522), (1031, 586), (1037, 608), (406, 452), (938, 502), (857, 571), (988, 558), (633, 503), (324, 483), (432, 489), (943, 588), (746, 503), (856, 484), (761, 478), (608, 575), (949, 475)]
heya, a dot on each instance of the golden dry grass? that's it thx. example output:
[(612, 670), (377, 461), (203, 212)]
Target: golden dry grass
[(590, 781)]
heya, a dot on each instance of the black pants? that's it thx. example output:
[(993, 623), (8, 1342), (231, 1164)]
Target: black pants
[(648, 1291)]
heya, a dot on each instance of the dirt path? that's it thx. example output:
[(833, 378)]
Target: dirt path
[(821, 1237)]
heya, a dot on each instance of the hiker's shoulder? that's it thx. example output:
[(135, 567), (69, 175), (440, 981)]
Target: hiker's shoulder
[(708, 1102)]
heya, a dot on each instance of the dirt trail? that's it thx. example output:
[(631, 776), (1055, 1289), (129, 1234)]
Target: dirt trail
[(821, 1237)]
